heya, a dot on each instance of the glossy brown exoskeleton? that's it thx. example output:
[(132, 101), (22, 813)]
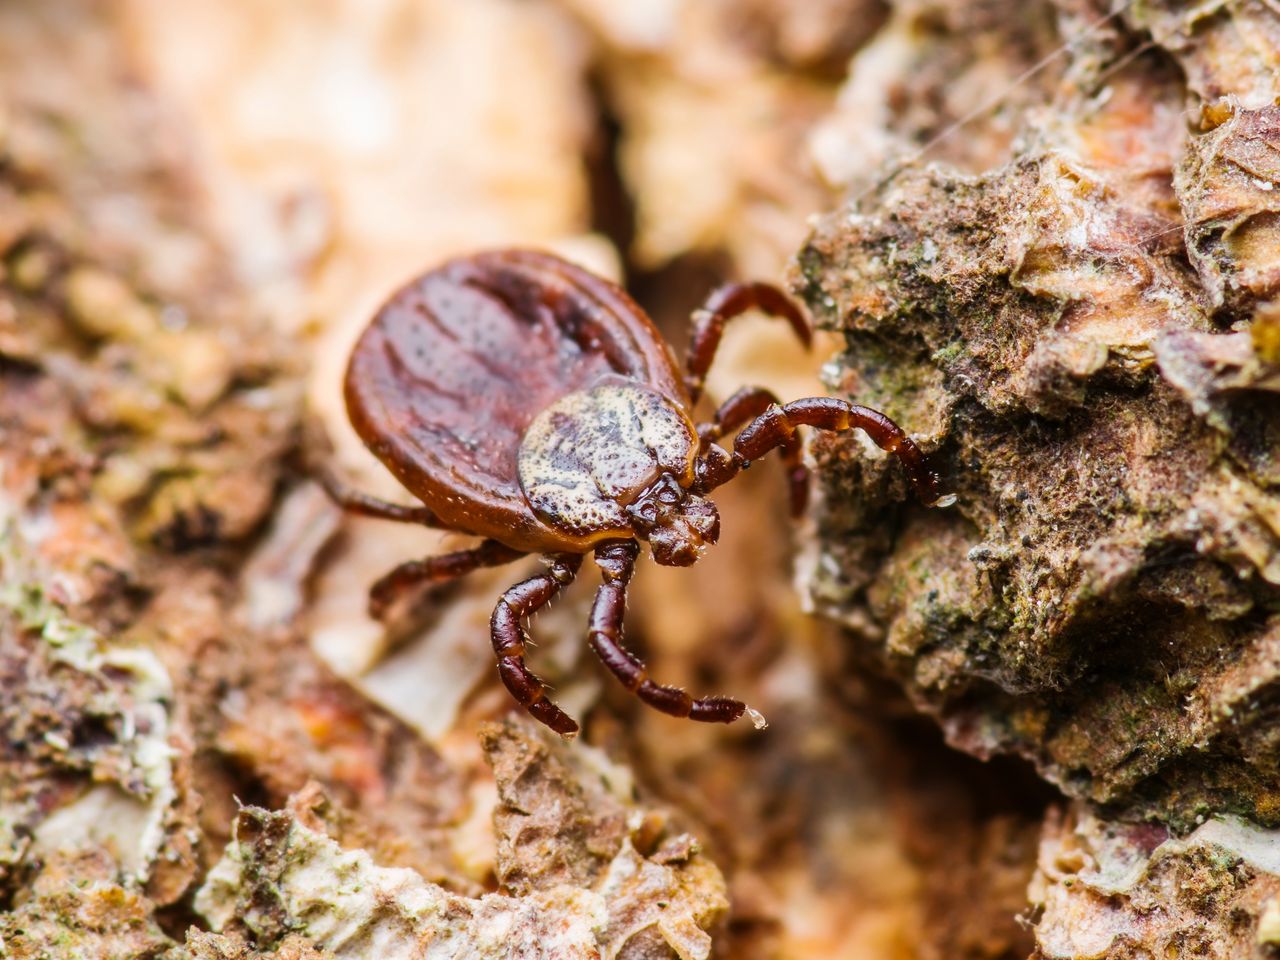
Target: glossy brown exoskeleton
[(523, 400)]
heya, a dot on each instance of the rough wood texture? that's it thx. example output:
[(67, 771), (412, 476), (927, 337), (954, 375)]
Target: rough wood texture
[(1075, 313)]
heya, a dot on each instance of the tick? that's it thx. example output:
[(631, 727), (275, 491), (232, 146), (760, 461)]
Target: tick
[(530, 403)]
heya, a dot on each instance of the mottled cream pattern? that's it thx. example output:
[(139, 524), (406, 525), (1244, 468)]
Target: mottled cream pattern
[(591, 453)]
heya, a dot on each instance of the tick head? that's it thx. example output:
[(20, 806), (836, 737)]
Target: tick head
[(678, 525), (614, 459)]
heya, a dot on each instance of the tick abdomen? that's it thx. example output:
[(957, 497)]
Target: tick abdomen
[(450, 373), (586, 457)]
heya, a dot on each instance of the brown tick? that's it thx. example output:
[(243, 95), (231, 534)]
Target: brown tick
[(523, 400)]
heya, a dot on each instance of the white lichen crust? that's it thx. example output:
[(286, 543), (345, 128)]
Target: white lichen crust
[(592, 452), (124, 783), (283, 876), (342, 902), (1130, 889)]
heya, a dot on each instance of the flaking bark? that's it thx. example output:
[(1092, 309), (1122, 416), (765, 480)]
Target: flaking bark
[(1081, 330)]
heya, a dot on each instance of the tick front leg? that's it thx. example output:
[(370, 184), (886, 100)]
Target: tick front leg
[(506, 628), (448, 566), (722, 306), (777, 426), (616, 562), (361, 504), (747, 404)]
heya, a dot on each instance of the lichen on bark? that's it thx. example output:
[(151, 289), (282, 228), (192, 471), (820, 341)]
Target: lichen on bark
[(1130, 890), (1103, 597), (577, 879)]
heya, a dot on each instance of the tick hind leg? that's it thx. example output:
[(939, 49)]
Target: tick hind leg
[(722, 306), (407, 577), (616, 562), (506, 628), (745, 405), (353, 501)]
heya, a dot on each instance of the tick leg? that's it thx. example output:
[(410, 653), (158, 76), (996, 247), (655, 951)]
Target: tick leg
[(616, 562), (777, 426), (747, 404), (448, 566), (353, 501), (722, 306), (509, 638)]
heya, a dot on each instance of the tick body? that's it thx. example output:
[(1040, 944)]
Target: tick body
[(532, 404)]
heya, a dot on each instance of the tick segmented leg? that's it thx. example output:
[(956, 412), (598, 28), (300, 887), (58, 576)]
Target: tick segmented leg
[(509, 637), (722, 306), (448, 566), (777, 425), (361, 504), (616, 562), (747, 404)]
